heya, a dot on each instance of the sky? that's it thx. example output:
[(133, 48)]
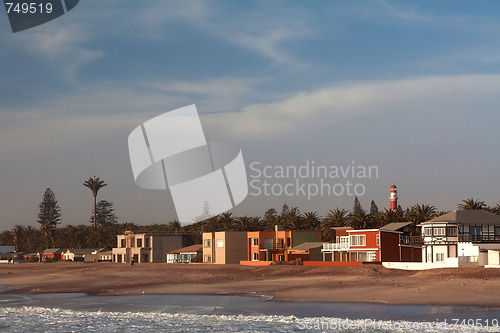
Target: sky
[(410, 87)]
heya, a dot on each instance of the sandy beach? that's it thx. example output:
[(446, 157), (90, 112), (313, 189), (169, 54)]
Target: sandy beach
[(369, 283)]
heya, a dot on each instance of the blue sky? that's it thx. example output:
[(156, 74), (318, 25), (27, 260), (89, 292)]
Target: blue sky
[(412, 87)]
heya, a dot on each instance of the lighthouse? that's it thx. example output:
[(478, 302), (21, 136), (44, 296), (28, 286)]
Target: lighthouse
[(394, 197)]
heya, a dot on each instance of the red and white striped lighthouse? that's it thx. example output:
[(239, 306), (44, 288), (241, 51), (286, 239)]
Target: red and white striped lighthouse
[(394, 197)]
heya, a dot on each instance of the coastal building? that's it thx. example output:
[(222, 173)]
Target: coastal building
[(224, 247), (54, 254), (461, 237), (185, 255), (388, 243), (148, 247), (77, 254), (308, 251), (276, 245), (99, 256)]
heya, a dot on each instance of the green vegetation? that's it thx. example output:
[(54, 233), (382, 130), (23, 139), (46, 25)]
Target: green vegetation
[(102, 234)]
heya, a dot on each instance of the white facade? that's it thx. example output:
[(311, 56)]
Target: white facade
[(461, 237)]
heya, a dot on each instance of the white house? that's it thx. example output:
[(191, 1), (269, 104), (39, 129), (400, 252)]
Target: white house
[(461, 237)]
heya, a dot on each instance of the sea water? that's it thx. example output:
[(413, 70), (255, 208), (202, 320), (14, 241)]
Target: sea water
[(191, 313)]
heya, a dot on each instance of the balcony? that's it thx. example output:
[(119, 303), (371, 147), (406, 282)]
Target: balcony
[(479, 238), (272, 247), (335, 246)]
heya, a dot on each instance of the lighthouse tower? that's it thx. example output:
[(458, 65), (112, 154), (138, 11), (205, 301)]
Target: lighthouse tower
[(394, 197)]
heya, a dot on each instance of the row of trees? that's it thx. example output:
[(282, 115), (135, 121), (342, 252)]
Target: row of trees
[(102, 233)]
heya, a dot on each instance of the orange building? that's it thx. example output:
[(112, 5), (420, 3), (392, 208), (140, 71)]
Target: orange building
[(276, 245)]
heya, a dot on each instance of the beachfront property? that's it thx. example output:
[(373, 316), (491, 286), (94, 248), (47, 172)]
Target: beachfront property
[(461, 237), (148, 247), (185, 255), (54, 254), (277, 245), (99, 256), (7, 253), (388, 243), (78, 254), (224, 247)]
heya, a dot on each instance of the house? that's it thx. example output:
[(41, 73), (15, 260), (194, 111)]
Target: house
[(460, 237), (54, 254), (99, 256), (148, 247), (338, 250), (308, 251), (185, 254), (7, 253), (276, 245), (389, 243), (77, 254), (224, 247)]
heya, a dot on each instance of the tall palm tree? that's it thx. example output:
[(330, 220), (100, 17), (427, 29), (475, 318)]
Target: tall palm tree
[(312, 220), (359, 219), (471, 204), (335, 218), (94, 184), (423, 212), (174, 226), (16, 234)]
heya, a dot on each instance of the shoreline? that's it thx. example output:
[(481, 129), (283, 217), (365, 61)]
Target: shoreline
[(374, 284)]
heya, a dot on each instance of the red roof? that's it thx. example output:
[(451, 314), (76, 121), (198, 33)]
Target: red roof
[(188, 249)]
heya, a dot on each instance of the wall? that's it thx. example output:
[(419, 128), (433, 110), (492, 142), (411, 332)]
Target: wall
[(391, 250), (417, 265), (300, 237)]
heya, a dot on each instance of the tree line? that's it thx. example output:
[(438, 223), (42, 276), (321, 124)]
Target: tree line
[(105, 226)]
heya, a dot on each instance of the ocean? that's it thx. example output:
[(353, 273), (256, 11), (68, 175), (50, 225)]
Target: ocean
[(190, 313)]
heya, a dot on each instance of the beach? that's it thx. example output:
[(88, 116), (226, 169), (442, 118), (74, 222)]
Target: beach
[(470, 286)]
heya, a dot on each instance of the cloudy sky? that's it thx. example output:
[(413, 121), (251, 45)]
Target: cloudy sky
[(412, 87)]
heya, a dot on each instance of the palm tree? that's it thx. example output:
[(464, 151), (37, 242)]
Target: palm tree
[(243, 223), (174, 226), (471, 204), (423, 212), (312, 220), (335, 218), (94, 184), (293, 219), (359, 220), (16, 234), (390, 216), (226, 220)]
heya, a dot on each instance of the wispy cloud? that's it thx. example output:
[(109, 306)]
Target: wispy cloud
[(263, 31), (307, 111)]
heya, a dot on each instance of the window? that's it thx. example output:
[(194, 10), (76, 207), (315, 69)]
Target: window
[(220, 243), (255, 242), (358, 240), (428, 231), (439, 231), (371, 256), (378, 239), (405, 239), (207, 258), (288, 242), (118, 258), (439, 256), (497, 230), (207, 243), (451, 231), (139, 242), (147, 242), (255, 256), (123, 243)]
